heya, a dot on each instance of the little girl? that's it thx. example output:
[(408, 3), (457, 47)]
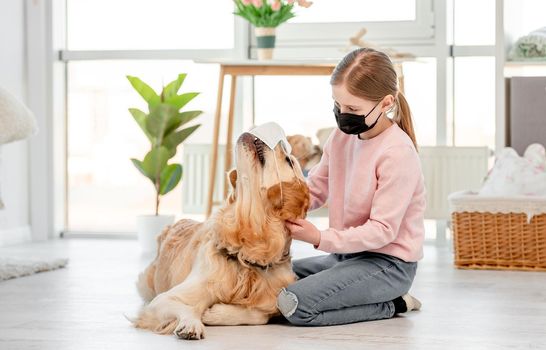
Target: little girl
[(370, 175)]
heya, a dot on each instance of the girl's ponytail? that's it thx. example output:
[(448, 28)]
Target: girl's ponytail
[(402, 117)]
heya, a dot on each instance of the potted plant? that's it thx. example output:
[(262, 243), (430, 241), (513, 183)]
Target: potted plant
[(265, 16), (163, 126)]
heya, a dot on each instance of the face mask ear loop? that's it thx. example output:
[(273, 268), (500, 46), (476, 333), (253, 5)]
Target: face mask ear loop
[(285, 151), (376, 120), (293, 170), (278, 177)]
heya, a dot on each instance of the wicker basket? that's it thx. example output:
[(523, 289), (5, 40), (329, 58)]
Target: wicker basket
[(499, 232)]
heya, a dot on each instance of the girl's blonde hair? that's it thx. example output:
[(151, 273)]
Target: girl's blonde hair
[(369, 74)]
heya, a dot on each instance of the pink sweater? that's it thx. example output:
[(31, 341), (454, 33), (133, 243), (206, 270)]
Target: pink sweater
[(375, 193)]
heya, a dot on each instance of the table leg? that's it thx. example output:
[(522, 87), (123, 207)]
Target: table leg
[(253, 90), (215, 135), (229, 150)]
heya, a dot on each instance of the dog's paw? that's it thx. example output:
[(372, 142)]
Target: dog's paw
[(214, 316), (190, 329)]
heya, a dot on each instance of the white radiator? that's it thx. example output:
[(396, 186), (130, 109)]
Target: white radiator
[(450, 169), (196, 173), (445, 169)]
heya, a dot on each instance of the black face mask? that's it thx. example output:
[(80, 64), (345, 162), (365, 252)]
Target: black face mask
[(354, 124)]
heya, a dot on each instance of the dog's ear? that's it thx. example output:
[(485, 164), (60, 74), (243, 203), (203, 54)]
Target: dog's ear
[(297, 200), (293, 203), (274, 196), (232, 178)]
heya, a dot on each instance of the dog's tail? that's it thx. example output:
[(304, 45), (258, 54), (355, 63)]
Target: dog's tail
[(145, 284)]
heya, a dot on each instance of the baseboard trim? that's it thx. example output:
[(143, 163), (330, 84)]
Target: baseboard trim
[(15, 235)]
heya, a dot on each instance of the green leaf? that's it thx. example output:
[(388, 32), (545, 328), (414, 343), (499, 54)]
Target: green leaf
[(189, 116), (264, 16), (140, 118), (138, 164), (147, 93), (181, 119), (172, 88), (169, 178), (180, 101), (155, 161), (160, 119), (173, 140)]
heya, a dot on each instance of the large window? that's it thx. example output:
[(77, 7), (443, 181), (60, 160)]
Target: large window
[(107, 40), (146, 25)]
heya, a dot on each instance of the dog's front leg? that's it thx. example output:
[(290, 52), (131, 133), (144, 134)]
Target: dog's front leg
[(179, 310), (233, 315)]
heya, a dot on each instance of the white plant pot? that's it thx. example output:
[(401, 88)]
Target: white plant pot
[(148, 228)]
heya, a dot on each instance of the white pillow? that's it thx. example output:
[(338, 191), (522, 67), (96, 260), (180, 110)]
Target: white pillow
[(513, 175), (16, 121)]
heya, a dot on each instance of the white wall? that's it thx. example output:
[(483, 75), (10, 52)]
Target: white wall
[(14, 157)]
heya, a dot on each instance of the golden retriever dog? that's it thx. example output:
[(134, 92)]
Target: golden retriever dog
[(229, 269)]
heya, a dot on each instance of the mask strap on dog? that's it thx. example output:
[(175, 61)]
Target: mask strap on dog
[(278, 177), (293, 170)]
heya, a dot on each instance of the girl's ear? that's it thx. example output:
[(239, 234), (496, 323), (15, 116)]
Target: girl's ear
[(387, 104), (232, 178)]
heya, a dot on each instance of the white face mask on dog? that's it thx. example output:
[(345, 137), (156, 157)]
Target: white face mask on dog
[(271, 134)]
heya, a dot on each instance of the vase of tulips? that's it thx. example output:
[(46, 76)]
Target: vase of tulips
[(266, 16)]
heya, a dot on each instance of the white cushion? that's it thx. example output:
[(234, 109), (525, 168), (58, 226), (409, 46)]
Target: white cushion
[(16, 121), (513, 175)]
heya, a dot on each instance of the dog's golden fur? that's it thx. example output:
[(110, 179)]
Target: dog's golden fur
[(229, 269)]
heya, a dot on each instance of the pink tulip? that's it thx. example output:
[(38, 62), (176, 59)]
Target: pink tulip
[(276, 6), (305, 3), (290, 2), (257, 3), (246, 2)]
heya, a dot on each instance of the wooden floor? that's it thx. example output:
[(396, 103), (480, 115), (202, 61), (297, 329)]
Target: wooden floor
[(82, 307)]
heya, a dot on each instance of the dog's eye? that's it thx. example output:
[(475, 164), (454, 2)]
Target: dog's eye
[(289, 161)]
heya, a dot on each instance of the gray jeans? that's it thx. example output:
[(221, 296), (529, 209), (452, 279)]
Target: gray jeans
[(345, 288)]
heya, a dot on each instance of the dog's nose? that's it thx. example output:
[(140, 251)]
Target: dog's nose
[(246, 138)]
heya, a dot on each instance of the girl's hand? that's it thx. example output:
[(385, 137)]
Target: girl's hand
[(303, 230)]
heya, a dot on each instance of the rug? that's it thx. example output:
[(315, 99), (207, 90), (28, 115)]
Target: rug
[(13, 268)]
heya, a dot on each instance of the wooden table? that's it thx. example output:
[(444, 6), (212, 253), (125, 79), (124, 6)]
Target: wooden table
[(249, 68)]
